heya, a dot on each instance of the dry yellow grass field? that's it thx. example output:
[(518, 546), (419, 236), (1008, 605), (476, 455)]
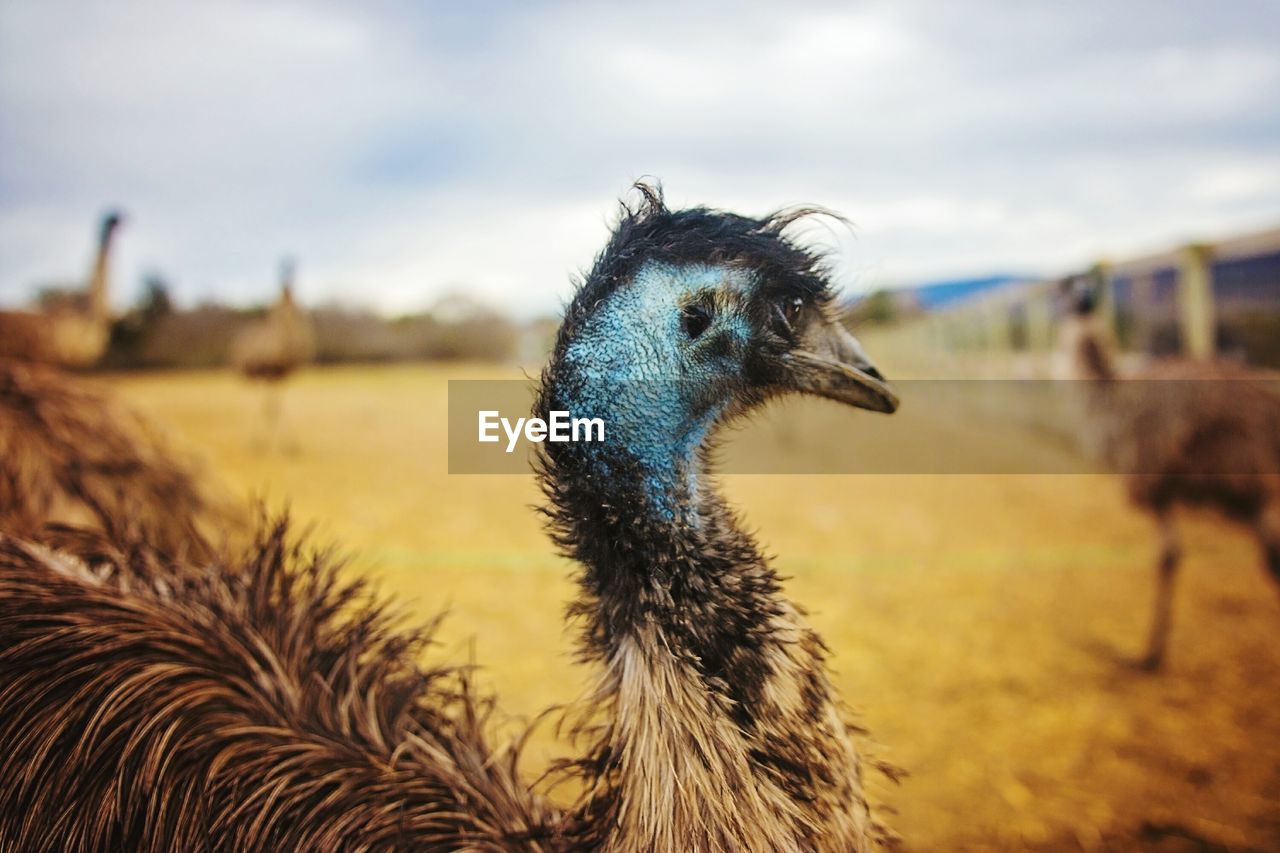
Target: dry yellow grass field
[(979, 623)]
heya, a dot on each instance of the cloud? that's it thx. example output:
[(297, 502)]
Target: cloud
[(403, 150)]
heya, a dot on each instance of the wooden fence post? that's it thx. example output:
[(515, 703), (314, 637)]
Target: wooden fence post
[(1195, 301), (1106, 300)]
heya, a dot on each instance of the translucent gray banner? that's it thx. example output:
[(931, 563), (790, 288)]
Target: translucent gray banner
[(1184, 427)]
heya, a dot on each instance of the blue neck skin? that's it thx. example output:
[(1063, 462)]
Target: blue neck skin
[(632, 366)]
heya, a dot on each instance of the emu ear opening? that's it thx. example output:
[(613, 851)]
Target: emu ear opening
[(829, 362)]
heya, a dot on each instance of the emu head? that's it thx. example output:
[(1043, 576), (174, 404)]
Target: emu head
[(690, 318), (111, 220), (1078, 295), (288, 272)]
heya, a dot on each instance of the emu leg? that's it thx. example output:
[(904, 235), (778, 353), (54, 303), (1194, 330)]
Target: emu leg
[(1166, 570), (1269, 537), (286, 437), (270, 415)]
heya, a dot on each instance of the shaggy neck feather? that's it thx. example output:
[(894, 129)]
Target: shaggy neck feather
[(708, 675)]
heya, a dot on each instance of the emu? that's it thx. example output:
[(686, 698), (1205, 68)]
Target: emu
[(254, 704), (75, 329), (1182, 434), (273, 348)]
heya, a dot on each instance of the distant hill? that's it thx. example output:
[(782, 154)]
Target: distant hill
[(889, 305), (940, 294)]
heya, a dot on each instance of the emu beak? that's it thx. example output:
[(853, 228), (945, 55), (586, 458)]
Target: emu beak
[(830, 363)]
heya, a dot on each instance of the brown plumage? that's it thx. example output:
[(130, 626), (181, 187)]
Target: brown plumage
[(74, 330), (1181, 433), (255, 705), (71, 453)]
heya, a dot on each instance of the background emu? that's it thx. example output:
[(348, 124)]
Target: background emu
[(74, 330), (1182, 433), (249, 703), (273, 348)]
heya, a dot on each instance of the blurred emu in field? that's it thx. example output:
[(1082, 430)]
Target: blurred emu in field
[(274, 347), (1181, 432), (71, 329)]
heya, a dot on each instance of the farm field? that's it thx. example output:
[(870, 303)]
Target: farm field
[(979, 624)]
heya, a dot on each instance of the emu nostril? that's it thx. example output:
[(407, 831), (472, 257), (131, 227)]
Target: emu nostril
[(873, 373)]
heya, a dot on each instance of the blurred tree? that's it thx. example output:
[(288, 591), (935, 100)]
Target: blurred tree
[(878, 308), (130, 332), (155, 302)]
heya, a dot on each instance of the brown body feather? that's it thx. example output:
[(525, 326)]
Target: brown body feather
[(265, 706), (70, 453)]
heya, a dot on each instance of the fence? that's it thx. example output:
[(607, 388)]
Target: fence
[(1198, 301)]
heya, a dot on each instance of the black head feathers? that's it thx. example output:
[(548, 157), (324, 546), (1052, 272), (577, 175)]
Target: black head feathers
[(648, 231)]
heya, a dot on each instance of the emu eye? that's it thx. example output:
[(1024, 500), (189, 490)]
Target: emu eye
[(787, 312), (695, 318)]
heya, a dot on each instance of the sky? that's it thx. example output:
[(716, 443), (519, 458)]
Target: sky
[(402, 151)]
